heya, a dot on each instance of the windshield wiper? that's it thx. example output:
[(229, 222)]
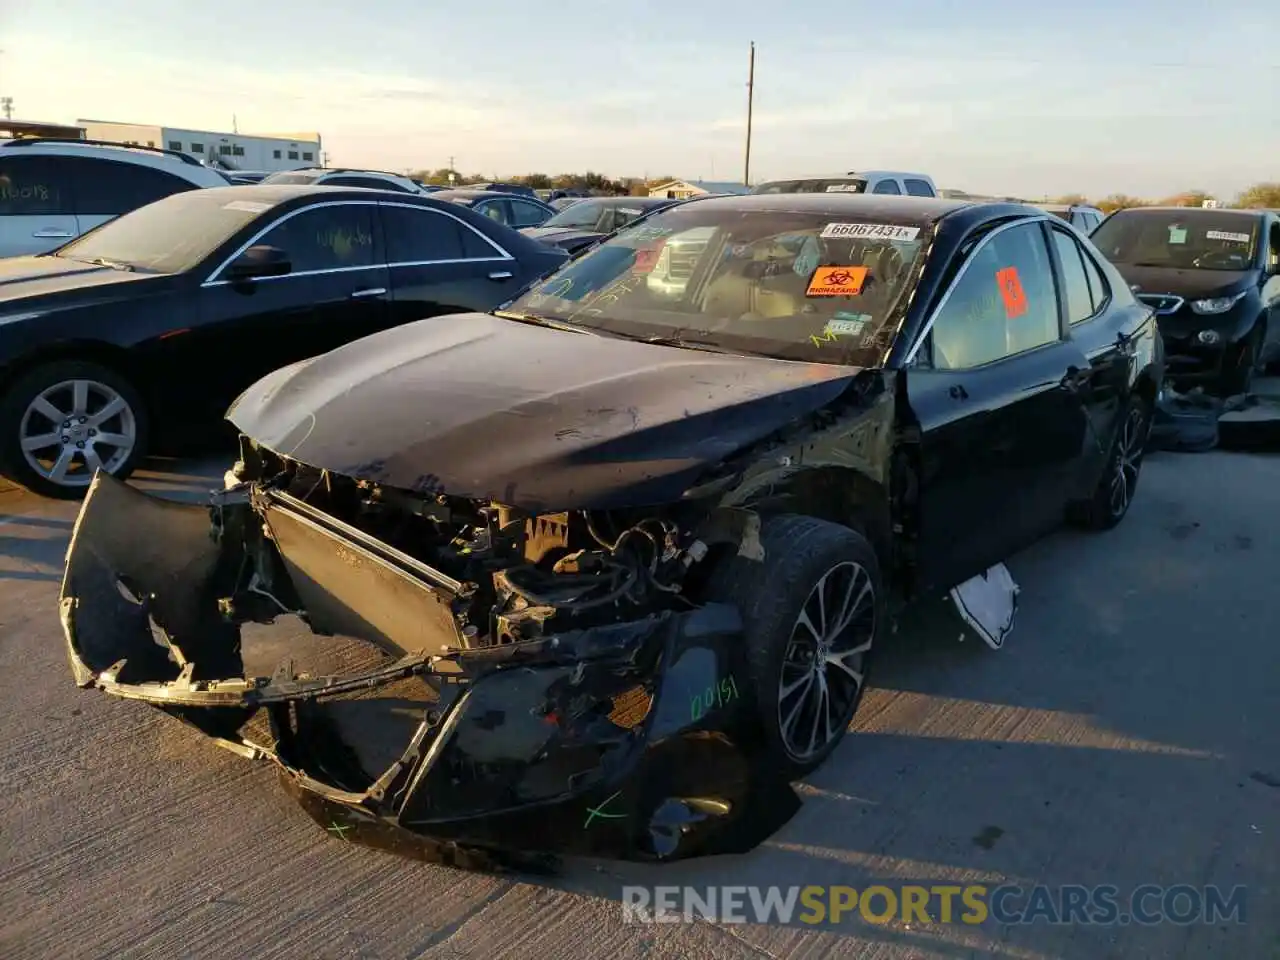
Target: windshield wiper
[(104, 262), (537, 321), (685, 344)]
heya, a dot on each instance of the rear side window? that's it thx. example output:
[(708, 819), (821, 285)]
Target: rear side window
[(918, 188), (526, 214), (887, 186), (1099, 289), (110, 188), (1075, 284), (418, 236), (494, 210), (34, 186)]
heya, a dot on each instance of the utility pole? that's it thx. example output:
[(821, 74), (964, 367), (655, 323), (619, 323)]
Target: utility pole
[(7, 104), (751, 89)]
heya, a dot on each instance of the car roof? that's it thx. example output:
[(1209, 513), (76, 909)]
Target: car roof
[(1196, 211), (1062, 207), (183, 165), (472, 195), (627, 201), (896, 209), (274, 194)]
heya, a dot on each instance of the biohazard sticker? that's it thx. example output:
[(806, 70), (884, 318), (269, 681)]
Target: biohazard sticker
[(837, 281), (869, 231), (1011, 292), (1228, 237)]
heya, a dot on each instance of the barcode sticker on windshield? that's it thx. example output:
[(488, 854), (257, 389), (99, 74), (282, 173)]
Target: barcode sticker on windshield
[(247, 206), (1229, 237), (869, 231)]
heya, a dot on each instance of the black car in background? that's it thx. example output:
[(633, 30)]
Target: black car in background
[(638, 540), (503, 187), (505, 208), (584, 224), (1213, 278), (156, 320)]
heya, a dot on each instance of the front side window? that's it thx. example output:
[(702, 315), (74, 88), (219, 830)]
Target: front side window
[(1180, 239), (1003, 303), (34, 186), (326, 237), (494, 210), (418, 236), (799, 285), (584, 215), (112, 188), (887, 186)]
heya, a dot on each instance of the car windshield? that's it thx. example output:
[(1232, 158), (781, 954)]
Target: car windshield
[(595, 215), (797, 285), (1182, 239), (171, 235), (827, 185)]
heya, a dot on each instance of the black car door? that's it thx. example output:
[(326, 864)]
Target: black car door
[(1104, 332), (336, 291), (439, 264), (1001, 428)]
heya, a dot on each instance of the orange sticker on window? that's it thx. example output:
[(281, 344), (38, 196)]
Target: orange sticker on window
[(647, 258), (1015, 298), (837, 281)]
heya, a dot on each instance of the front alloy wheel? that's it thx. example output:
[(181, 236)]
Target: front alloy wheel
[(824, 666), (811, 611), (63, 421)]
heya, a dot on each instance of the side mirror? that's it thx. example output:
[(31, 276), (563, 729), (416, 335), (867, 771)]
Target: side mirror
[(262, 260)]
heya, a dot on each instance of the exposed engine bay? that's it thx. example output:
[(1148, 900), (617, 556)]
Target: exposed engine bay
[(519, 577)]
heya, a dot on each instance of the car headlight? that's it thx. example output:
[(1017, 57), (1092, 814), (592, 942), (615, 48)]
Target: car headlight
[(1216, 304), (1209, 337)]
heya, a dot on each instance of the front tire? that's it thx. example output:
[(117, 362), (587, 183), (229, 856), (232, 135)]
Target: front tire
[(62, 421), (1114, 493), (812, 611), (1238, 378)]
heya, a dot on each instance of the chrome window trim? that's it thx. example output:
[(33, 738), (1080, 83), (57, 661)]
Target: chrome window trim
[(955, 281), (213, 281)]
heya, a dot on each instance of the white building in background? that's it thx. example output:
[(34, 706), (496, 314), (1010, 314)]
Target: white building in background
[(232, 151)]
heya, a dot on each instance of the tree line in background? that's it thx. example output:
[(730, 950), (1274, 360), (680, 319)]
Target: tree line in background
[(588, 182), (1258, 196)]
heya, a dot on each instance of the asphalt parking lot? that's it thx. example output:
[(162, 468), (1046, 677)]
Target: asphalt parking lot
[(1129, 733)]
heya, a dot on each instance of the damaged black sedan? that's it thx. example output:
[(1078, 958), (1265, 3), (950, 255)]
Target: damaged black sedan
[(602, 573)]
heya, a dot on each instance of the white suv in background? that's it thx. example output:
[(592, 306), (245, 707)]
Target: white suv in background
[(369, 179), (51, 191), (891, 182)]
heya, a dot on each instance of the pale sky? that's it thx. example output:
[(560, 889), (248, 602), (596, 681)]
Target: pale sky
[(988, 96)]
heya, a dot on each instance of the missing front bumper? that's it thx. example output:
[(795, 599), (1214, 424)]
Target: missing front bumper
[(592, 742)]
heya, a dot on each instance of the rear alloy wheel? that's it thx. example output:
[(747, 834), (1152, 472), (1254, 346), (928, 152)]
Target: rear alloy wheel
[(811, 613), (66, 420), (1114, 493)]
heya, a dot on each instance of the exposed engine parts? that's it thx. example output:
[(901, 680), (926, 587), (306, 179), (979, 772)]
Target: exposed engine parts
[(522, 572)]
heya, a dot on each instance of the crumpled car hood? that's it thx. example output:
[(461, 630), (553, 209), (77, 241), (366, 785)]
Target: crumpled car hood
[(477, 406)]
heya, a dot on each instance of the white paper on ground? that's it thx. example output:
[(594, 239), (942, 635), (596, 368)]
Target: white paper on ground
[(988, 603)]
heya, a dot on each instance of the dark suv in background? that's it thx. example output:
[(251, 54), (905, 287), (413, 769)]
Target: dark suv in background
[(1213, 277)]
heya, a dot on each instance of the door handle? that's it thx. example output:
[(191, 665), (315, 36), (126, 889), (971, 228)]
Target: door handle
[(371, 292), (957, 392), (1074, 378), (501, 275), (52, 233)]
